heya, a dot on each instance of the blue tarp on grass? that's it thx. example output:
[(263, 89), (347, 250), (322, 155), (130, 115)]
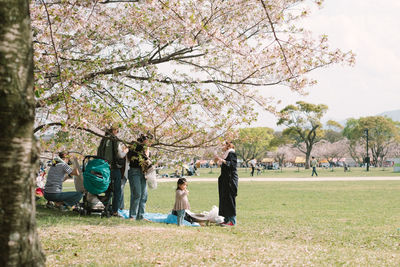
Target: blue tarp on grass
[(159, 218)]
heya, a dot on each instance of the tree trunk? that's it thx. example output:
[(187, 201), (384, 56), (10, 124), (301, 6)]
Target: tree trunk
[(308, 153), (19, 243)]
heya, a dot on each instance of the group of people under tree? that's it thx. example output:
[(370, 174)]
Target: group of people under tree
[(118, 156), (137, 157)]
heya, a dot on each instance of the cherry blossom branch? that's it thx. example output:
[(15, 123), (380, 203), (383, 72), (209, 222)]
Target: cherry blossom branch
[(276, 37), (118, 1), (40, 127), (169, 81), (56, 58)]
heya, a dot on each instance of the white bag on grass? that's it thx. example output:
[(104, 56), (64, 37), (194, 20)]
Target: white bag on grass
[(211, 216), (151, 177)]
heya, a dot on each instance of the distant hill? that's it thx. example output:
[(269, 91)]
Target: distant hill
[(393, 114)]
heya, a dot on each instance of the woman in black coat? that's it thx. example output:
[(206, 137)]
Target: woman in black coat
[(228, 184)]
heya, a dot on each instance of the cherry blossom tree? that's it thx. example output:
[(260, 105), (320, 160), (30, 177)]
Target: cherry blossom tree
[(284, 154), (19, 242), (394, 150), (331, 151), (187, 71)]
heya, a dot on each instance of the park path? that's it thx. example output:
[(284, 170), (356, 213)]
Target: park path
[(308, 179)]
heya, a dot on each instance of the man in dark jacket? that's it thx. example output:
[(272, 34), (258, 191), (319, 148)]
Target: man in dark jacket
[(111, 150)]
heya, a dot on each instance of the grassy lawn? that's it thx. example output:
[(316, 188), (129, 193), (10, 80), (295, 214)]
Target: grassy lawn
[(300, 172), (279, 223)]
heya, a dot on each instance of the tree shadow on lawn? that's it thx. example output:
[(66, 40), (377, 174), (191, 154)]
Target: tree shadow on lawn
[(54, 217)]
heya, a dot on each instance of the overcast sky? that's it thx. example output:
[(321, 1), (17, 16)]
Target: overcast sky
[(371, 29)]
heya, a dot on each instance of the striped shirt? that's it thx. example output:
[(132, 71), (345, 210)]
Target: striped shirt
[(55, 178)]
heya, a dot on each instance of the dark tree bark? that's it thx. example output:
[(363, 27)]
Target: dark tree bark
[(19, 243)]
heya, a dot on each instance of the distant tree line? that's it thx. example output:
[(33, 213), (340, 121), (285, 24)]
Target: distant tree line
[(305, 135)]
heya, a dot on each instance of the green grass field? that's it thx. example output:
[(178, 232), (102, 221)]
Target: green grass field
[(279, 224), (300, 172)]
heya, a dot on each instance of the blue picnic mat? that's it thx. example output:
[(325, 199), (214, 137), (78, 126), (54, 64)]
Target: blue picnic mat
[(159, 218)]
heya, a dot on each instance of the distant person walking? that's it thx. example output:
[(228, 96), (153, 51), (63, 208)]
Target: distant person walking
[(314, 167), (346, 168), (253, 166)]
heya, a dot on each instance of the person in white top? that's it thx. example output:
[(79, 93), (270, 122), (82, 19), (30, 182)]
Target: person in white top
[(253, 166)]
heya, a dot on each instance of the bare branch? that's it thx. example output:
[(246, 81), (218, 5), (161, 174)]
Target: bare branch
[(276, 38), (56, 57), (118, 1)]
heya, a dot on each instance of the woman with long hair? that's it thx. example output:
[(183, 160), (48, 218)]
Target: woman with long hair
[(228, 184)]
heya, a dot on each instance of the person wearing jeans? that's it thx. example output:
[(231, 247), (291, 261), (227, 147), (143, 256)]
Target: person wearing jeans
[(124, 179), (55, 178), (114, 152), (123, 182), (139, 162), (138, 186), (314, 166), (69, 199), (180, 216), (181, 200), (115, 175)]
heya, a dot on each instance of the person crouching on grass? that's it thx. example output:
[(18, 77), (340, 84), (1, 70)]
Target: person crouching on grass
[(55, 179), (181, 200)]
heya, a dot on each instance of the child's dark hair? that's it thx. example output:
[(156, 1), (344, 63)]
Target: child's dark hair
[(62, 154), (180, 181)]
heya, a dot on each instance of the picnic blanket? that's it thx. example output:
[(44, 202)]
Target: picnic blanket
[(199, 218), (159, 218)]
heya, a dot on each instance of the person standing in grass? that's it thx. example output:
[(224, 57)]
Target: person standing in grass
[(181, 200), (139, 163), (228, 184), (314, 167), (114, 152), (253, 166)]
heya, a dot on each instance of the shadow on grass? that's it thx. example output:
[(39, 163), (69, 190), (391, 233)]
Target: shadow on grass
[(46, 217)]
